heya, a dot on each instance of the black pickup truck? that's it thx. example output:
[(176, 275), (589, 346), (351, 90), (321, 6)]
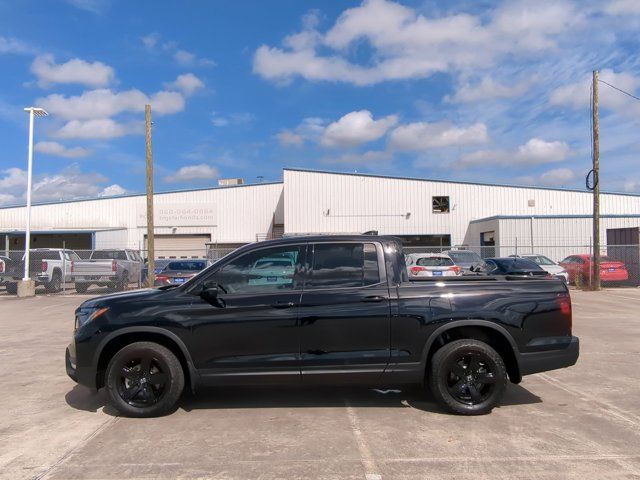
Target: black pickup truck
[(322, 310)]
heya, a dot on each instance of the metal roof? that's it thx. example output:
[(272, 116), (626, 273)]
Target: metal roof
[(530, 187)]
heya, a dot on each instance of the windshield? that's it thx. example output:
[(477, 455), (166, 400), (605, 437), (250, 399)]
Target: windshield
[(188, 266), (434, 262), (540, 259), (462, 257)]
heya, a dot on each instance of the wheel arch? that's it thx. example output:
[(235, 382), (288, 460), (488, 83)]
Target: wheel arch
[(119, 339), (491, 333)]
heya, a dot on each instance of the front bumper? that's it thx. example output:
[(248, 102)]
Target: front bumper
[(82, 375), (550, 359)]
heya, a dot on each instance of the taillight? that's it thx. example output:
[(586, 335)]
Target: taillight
[(45, 265), (162, 278), (1, 267), (416, 270), (114, 267), (71, 266), (456, 269), (564, 302)]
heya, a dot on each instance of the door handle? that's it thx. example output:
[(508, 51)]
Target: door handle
[(283, 305), (374, 299)]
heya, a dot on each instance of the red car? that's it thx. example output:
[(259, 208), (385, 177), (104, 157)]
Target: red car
[(581, 267)]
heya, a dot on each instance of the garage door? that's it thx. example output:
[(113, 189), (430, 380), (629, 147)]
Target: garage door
[(180, 246)]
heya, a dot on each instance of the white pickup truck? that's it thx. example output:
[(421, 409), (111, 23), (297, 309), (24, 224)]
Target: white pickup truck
[(50, 267), (114, 268)]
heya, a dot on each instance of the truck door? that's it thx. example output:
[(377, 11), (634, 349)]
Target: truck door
[(344, 314), (252, 335)]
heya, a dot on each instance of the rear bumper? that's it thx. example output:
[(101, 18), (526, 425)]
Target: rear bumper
[(550, 359)]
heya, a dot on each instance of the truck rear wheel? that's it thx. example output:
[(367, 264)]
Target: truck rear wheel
[(467, 377), (82, 287), (55, 284), (12, 288), (144, 379)]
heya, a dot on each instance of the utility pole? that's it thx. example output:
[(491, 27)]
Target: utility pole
[(596, 185), (151, 271)]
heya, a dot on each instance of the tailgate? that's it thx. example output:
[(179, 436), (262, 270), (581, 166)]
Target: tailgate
[(93, 268)]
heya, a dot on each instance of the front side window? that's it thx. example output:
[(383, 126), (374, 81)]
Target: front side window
[(344, 265), (265, 270)]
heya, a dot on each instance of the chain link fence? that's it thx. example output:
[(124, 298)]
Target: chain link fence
[(66, 271)]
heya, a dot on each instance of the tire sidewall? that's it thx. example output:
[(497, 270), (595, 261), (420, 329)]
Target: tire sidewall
[(174, 386)]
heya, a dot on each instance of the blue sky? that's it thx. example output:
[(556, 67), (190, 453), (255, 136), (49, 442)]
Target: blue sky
[(494, 91)]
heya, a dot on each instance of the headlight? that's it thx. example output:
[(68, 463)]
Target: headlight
[(86, 315)]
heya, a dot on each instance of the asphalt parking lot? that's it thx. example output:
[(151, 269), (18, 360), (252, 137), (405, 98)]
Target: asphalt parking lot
[(578, 423)]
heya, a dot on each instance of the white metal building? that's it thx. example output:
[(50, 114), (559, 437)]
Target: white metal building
[(423, 212)]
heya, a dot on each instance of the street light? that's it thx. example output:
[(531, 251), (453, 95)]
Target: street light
[(33, 112)]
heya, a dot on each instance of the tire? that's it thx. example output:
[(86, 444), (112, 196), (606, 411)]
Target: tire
[(55, 285), (12, 288), (82, 287), (123, 283), (129, 376), (464, 393)]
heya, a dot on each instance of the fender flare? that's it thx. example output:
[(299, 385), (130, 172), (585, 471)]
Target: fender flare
[(470, 323), (193, 372)]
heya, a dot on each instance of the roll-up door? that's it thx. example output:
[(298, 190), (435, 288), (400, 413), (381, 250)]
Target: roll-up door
[(180, 246)]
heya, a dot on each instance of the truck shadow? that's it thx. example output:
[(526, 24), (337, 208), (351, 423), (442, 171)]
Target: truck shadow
[(82, 398)]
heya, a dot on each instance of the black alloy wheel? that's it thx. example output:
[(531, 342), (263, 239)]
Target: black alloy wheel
[(144, 379), (467, 377), (124, 281)]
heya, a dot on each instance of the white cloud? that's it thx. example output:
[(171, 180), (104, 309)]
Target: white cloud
[(631, 186), (99, 128), (182, 57), (557, 177), (112, 190), (11, 45), (93, 6), (310, 129), (76, 70), (536, 151), (422, 135), (578, 95), (407, 44), (623, 7), (58, 150), (103, 103), (69, 183), (13, 178), (193, 173), (219, 120), (356, 128), (288, 138), (488, 89), (353, 158), (187, 83)]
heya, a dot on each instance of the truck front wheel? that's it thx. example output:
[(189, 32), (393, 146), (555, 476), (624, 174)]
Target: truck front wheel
[(144, 379), (467, 377)]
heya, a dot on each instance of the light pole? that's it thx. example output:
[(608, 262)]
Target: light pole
[(33, 112)]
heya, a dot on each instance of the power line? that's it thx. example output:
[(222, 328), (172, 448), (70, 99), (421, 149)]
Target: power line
[(620, 90)]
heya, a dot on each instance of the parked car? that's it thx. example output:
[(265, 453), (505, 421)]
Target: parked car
[(348, 313), (179, 271), (158, 265), (50, 267), (431, 265), (514, 266), (114, 268), (465, 259), (548, 265), (581, 267)]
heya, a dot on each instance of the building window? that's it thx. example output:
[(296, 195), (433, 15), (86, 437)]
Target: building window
[(440, 204)]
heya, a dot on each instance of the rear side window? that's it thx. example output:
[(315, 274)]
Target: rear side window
[(344, 265)]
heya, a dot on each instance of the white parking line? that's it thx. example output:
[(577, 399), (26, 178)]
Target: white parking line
[(366, 457)]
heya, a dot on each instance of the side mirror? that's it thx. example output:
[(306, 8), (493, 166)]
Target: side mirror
[(209, 290)]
